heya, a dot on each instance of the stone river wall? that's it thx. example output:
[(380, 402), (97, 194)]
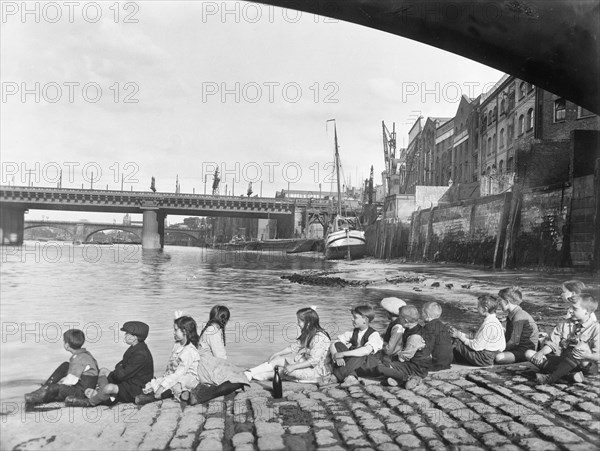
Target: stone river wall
[(521, 228)]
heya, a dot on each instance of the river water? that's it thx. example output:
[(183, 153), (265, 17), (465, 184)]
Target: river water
[(47, 288)]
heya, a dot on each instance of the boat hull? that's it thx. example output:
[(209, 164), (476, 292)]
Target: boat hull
[(340, 242)]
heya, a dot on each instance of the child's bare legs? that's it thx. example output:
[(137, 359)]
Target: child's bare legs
[(264, 371), (505, 357), (516, 355)]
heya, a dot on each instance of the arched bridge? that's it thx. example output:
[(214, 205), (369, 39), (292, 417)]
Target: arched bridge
[(83, 231)]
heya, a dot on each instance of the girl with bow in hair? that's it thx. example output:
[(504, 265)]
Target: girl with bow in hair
[(181, 372)]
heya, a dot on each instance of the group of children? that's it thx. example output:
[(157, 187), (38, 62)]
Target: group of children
[(196, 372), (413, 345)]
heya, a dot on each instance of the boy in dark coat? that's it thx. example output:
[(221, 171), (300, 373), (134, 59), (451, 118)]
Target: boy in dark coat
[(130, 375), (521, 330), (414, 360), (437, 336)]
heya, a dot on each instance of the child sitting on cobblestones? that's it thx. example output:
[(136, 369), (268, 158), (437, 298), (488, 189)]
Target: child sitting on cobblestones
[(130, 375), (488, 341), (392, 339), (573, 347), (353, 353), (71, 378), (414, 359), (521, 330), (218, 377), (437, 336), (306, 360), (182, 369)]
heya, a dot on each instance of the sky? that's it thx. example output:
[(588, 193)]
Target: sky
[(112, 94)]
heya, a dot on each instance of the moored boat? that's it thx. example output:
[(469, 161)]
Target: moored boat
[(344, 239)]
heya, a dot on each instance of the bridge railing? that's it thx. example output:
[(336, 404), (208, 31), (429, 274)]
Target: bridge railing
[(137, 196)]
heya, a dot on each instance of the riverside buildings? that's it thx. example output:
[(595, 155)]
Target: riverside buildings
[(483, 143), (510, 180)]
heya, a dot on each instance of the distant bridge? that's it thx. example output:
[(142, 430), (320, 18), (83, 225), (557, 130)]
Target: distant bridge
[(83, 231), (15, 200)]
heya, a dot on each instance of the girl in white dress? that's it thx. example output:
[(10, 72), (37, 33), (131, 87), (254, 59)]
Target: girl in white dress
[(307, 359), (181, 373)]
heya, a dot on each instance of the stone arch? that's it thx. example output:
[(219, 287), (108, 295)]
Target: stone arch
[(52, 226), (115, 227), (182, 232)]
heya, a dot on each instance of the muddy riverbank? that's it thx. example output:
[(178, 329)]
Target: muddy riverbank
[(458, 285)]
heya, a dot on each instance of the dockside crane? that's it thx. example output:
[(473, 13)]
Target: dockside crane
[(389, 153)]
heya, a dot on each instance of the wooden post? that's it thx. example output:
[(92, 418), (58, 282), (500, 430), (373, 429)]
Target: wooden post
[(512, 226), (501, 232)]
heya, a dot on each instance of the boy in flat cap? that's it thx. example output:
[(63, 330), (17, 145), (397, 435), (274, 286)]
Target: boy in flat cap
[(130, 375)]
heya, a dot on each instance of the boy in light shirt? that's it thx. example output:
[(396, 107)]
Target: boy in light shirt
[(489, 339), (573, 347)]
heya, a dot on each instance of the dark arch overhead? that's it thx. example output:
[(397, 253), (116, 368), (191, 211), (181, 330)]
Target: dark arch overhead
[(550, 43)]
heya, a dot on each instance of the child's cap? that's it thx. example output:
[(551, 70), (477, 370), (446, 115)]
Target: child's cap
[(392, 305), (136, 328)]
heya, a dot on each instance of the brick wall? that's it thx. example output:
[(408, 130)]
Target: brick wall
[(544, 163), (562, 129)]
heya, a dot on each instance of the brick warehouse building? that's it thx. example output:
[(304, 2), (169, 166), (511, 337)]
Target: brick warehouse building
[(530, 156)]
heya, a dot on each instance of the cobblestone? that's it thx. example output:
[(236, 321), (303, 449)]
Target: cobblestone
[(408, 441), (497, 409)]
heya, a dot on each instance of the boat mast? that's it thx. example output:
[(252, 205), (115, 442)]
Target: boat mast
[(337, 170)]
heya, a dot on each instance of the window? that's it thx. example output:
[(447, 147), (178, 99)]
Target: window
[(490, 117), (495, 113), (509, 165), (489, 145), (503, 106), (521, 124), (495, 143), (582, 112), (530, 87), (530, 119), (502, 138), (560, 110), (501, 167), (522, 89), (510, 132)]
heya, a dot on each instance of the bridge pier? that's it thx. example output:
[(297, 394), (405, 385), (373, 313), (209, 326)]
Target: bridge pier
[(153, 229), (12, 221)]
